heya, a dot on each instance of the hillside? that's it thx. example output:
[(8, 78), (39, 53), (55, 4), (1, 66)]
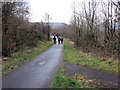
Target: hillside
[(57, 24)]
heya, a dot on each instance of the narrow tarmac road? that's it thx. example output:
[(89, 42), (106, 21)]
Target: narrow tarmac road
[(37, 73)]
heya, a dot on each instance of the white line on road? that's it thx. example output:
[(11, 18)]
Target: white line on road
[(42, 63)]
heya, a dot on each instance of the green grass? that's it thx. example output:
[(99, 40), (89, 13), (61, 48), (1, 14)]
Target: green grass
[(61, 81), (77, 57), (19, 58)]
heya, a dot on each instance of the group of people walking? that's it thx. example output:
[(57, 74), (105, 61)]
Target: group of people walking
[(58, 39)]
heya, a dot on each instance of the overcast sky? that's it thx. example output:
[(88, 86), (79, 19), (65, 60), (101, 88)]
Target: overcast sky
[(59, 10)]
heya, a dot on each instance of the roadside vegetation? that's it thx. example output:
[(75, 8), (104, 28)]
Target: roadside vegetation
[(18, 33), (63, 81), (78, 57), (19, 58)]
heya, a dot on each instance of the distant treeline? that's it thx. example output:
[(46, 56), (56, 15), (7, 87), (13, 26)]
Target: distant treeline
[(17, 32)]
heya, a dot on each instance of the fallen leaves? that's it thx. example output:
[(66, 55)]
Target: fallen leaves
[(80, 78), (5, 59), (72, 43), (90, 80), (103, 59)]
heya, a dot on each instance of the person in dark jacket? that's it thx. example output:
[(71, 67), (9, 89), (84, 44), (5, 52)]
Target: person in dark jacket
[(61, 40), (54, 38)]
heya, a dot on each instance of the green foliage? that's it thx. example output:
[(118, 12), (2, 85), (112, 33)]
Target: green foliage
[(77, 57), (61, 81), (20, 58)]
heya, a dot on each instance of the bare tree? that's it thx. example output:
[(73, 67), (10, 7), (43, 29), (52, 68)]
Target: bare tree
[(95, 24)]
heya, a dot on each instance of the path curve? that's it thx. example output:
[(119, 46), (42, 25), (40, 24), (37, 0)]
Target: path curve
[(37, 73), (103, 78)]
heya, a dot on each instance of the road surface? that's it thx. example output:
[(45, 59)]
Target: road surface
[(37, 73)]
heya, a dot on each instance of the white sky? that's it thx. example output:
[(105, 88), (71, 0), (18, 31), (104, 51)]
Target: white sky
[(59, 10)]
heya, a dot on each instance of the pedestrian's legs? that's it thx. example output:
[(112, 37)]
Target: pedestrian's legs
[(54, 41)]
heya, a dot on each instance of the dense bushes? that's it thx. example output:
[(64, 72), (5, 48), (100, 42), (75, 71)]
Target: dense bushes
[(18, 32)]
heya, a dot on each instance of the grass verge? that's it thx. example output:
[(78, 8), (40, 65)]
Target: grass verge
[(20, 58), (62, 81), (77, 57)]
